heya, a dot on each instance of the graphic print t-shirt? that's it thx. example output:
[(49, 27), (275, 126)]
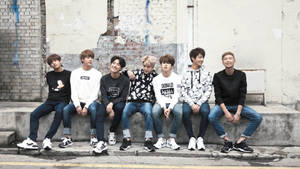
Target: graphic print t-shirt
[(167, 89), (114, 90), (85, 85), (59, 86)]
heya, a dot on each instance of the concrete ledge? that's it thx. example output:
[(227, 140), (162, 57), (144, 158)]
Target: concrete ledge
[(7, 137), (280, 125)]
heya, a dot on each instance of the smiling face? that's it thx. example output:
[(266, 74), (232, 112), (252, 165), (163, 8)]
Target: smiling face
[(198, 60), (115, 66), (228, 61)]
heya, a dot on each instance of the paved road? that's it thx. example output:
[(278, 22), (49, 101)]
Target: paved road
[(66, 162)]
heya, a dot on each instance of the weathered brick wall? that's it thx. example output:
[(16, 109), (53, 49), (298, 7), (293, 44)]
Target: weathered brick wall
[(21, 81)]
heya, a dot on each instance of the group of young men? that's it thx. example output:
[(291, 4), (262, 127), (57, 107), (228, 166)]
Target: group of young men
[(126, 92)]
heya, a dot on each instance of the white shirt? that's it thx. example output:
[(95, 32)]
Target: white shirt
[(167, 89), (85, 86)]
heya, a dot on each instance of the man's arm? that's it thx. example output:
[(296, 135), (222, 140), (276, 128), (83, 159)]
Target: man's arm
[(158, 96), (243, 89), (95, 89), (185, 82), (207, 91), (74, 90)]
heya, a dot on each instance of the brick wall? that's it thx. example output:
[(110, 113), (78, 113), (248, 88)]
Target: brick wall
[(22, 81)]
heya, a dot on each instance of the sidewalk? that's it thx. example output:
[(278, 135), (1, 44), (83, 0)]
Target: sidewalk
[(83, 149)]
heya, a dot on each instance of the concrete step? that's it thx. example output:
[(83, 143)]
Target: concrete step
[(280, 125), (7, 137)]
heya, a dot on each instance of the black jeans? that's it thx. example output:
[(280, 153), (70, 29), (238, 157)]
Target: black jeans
[(101, 114), (43, 110)]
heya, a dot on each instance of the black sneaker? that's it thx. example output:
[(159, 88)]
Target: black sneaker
[(227, 147), (66, 142), (243, 147), (148, 145), (126, 144)]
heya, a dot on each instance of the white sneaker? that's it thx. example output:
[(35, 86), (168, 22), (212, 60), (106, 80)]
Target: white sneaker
[(172, 144), (200, 144), (161, 142), (47, 145), (192, 144), (100, 147), (93, 141), (112, 138), (28, 144)]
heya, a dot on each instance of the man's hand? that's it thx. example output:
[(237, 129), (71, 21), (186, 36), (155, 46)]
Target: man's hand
[(79, 110), (236, 118), (130, 75), (84, 111), (228, 116), (111, 115), (109, 107), (167, 113), (196, 108)]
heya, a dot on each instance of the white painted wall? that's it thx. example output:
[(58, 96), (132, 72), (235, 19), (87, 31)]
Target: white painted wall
[(253, 31), (290, 51), (74, 25)]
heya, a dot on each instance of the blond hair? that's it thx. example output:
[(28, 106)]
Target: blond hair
[(151, 60)]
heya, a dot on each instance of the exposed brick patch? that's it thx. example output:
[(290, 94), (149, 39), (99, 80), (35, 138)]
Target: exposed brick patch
[(21, 83)]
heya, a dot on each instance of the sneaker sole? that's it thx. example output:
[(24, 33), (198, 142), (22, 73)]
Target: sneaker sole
[(109, 143), (27, 148), (226, 151), (242, 150), (149, 150), (124, 149), (60, 146), (100, 152)]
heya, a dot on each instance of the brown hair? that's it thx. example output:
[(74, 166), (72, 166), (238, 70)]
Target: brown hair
[(167, 59), (52, 58), (227, 53), (86, 54)]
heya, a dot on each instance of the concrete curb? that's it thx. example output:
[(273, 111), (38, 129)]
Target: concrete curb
[(212, 151)]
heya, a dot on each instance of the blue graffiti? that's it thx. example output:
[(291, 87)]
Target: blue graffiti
[(147, 11), (147, 38), (148, 22), (15, 9)]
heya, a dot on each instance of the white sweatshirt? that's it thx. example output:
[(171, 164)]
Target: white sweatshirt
[(167, 89), (85, 86)]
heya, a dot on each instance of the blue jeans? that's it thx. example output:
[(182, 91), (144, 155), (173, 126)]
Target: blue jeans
[(156, 113), (186, 118), (44, 109), (101, 114), (71, 109), (254, 117), (130, 109)]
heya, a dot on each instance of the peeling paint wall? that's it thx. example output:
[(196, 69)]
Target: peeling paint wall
[(74, 25), (162, 15)]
